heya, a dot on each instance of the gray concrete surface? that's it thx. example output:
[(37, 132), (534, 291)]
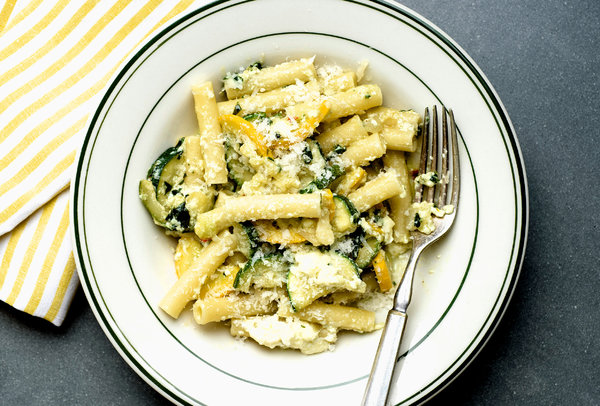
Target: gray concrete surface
[(543, 58)]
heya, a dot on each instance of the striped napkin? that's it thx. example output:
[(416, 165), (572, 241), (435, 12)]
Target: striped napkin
[(55, 58)]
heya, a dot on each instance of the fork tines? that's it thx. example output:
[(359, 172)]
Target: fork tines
[(437, 164)]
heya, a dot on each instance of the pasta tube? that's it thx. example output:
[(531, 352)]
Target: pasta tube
[(260, 207), (363, 151), (376, 191), (270, 102), (354, 101), (213, 308), (398, 128), (339, 83), (188, 285), (273, 77), (400, 203), (338, 316), (215, 168), (343, 135)]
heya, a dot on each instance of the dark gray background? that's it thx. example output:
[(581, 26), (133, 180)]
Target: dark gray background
[(543, 59)]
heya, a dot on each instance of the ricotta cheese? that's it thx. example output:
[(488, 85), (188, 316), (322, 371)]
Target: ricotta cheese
[(290, 332)]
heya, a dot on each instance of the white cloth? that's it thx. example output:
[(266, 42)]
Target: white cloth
[(55, 58)]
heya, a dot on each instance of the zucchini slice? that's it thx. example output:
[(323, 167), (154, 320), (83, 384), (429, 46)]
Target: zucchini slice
[(316, 274), (345, 216), (168, 191), (263, 271), (368, 251), (248, 238), (161, 191), (147, 195), (155, 171)]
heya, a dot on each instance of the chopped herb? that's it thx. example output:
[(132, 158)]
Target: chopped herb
[(234, 81), (329, 174), (367, 96), (339, 149), (307, 155), (417, 220), (277, 135), (255, 116), (434, 178), (181, 215), (168, 187), (259, 115), (377, 218), (237, 109), (310, 188), (256, 65)]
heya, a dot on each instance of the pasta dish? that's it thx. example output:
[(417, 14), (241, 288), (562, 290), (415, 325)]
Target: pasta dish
[(291, 205)]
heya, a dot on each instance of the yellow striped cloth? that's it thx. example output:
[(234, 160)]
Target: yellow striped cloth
[(55, 58)]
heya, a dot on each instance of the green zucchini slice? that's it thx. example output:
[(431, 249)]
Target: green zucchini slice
[(161, 192), (262, 271), (345, 216), (368, 251), (155, 171), (248, 238), (148, 197), (316, 274)]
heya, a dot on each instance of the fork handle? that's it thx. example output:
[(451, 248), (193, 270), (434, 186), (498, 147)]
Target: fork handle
[(378, 386)]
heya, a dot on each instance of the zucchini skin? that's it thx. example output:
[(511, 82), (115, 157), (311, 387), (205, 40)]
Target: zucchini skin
[(364, 257), (243, 279), (147, 194), (172, 218), (353, 211), (252, 234), (159, 164), (354, 244)]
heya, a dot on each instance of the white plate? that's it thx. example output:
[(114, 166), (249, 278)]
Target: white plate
[(125, 263)]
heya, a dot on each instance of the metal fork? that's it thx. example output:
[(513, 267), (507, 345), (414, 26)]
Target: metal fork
[(386, 358)]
